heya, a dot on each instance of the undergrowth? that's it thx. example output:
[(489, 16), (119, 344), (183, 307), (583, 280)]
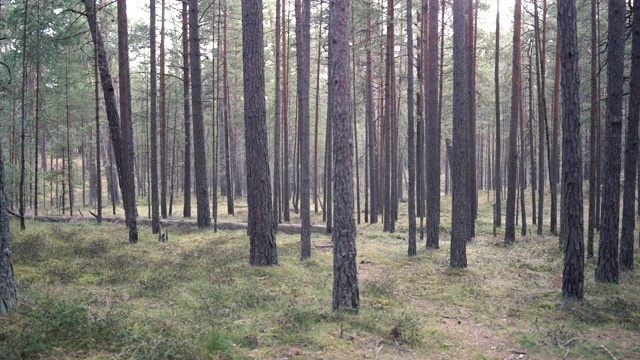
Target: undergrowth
[(86, 293)]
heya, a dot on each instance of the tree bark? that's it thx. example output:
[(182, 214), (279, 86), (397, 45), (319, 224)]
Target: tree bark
[(261, 223), (127, 183), (461, 203), (153, 136), (607, 270), (594, 128), (411, 134), (8, 294), (186, 212), (345, 278), (276, 130), (389, 116), (631, 147), (572, 221), (202, 196), (432, 145), (497, 178), (163, 119), (369, 113), (510, 230)]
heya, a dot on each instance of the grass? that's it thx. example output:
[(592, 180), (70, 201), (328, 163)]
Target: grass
[(86, 293)]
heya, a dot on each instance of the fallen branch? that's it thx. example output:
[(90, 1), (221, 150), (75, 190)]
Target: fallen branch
[(518, 352), (607, 350), (284, 228)]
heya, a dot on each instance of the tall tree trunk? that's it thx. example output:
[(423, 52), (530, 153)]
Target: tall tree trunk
[(389, 116), (497, 178), (37, 125), (510, 230), (285, 117), (410, 134), (541, 56), (276, 130), (631, 149), (24, 114), (571, 235), (163, 118), (607, 270), (373, 160), (461, 204), (315, 142), (226, 102), (8, 294), (153, 136), (555, 157), (186, 212), (355, 114), (126, 127), (261, 224), (69, 161), (531, 145), (522, 177), (594, 128), (202, 196), (345, 277), (432, 147), (303, 39)]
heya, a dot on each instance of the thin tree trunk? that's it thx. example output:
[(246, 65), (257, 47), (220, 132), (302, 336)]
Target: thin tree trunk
[(153, 136), (373, 161), (303, 38), (163, 118), (497, 178), (389, 116), (285, 117), (315, 142), (510, 231), (276, 130), (186, 212), (541, 55), (202, 197), (432, 146), (24, 115), (410, 134), (555, 156), (594, 128)]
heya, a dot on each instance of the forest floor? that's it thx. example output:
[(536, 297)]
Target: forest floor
[(86, 293)]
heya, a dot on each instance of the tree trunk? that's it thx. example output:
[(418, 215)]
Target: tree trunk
[(8, 294), (594, 127), (410, 134), (127, 184), (303, 39), (261, 224), (461, 204), (510, 230), (186, 212), (523, 173), (202, 196), (373, 159), (163, 119), (345, 278), (225, 106), (153, 136), (276, 130), (389, 116), (541, 56), (607, 270), (555, 157), (315, 142), (631, 149), (531, 145), (571, 229), (432, 146), (24, 114), (497, 178), (286, 195)]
